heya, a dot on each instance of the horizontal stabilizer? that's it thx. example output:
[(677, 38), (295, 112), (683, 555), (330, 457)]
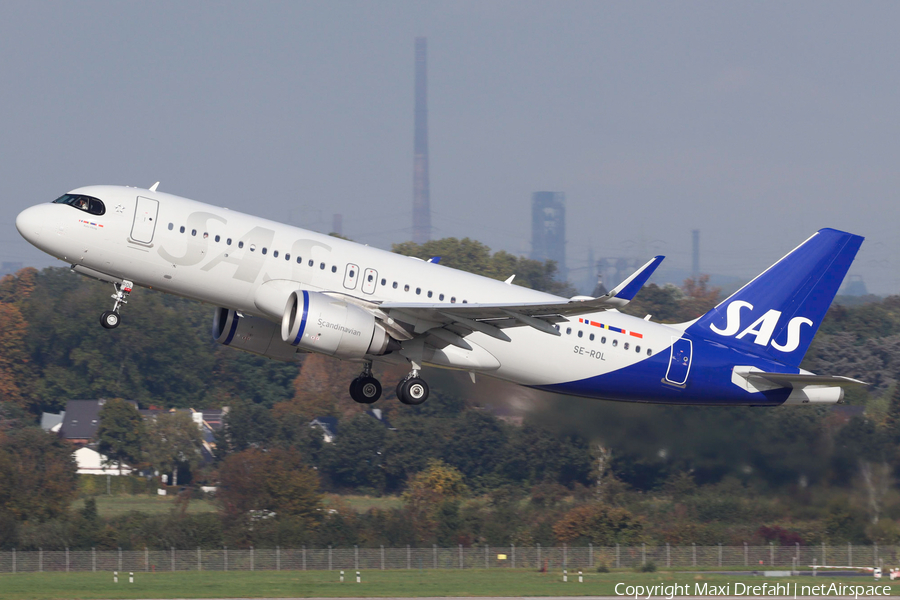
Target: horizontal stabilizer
[(763, 380), (800, 380)]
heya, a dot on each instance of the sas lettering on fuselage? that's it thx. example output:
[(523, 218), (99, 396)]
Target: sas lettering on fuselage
[(762, 328), (587, 352)]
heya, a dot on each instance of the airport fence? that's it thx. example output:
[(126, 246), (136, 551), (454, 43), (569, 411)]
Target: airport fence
[(461, 557)]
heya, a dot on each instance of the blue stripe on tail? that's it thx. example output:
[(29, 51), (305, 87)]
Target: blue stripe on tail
[(777, 314)]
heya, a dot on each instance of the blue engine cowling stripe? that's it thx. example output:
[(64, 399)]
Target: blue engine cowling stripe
[(234, 324), (303, 318)]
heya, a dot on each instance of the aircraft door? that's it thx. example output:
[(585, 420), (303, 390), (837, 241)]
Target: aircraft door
[(370, 280), (144, 220), (351, 274), (679, 361)]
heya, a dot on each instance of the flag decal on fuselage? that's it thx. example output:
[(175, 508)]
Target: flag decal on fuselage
[(611, 328)]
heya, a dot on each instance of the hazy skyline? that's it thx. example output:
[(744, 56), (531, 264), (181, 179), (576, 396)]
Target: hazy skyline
[(756, 123)]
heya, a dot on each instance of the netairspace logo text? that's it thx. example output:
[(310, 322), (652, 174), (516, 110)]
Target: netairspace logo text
[(672, 590)]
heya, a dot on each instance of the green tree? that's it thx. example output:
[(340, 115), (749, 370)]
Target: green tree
[(246, 425), (355, 458), (174, 441), (474, 257), (120, 435)]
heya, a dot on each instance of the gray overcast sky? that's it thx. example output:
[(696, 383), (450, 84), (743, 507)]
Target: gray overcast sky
[(755, 122)]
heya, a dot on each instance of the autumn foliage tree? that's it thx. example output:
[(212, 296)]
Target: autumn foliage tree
[(37, 475), (599, 524), (254, 482)]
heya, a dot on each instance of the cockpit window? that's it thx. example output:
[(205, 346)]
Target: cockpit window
[(86, 203)]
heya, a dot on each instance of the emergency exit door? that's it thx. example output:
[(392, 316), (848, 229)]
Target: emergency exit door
[(144, 220), (679, 362)]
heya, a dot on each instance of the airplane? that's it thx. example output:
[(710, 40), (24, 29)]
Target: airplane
[(281, 291)]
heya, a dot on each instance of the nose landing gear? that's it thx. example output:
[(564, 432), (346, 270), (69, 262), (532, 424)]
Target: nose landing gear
[(110, 318), (365, 389)]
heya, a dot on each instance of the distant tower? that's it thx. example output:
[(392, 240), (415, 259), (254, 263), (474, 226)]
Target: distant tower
[(695, 254), (548, 229), (421, 203)]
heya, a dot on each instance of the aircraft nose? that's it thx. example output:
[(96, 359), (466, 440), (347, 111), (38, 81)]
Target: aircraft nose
[(29, 223)]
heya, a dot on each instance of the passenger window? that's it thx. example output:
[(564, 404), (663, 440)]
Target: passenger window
[(615, 343), (264, 250), (637, 349), (441, 297), (626, 345), (580, 333), (181, 229), (310, 262), (321, 266), (205, 234), (406, 288), (252, 247), (568, 331), (465, 301), (383, 281), (275, 254), (395, 285), (591, 337), (334, 268), (240, 244), (430, 293), (193, 232), (649, 351), (452, 299), (353, 274), (228, 241), (171, 226), (603, 340), (218, 238), (418, 291)]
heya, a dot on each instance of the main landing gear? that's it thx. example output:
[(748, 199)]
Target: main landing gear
[(110, 318), (413, 390), (365, 389)]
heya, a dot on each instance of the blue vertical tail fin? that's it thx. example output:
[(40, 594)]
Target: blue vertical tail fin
[(778, 313)]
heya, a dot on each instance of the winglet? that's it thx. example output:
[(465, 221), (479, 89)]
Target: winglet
[(623, 293)]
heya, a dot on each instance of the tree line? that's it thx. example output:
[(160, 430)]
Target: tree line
[(558, 470)]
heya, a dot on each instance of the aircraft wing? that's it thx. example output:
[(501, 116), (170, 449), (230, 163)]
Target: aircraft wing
[(491, 318)]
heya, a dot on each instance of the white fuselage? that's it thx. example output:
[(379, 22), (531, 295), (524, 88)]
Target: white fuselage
[(222, 257)]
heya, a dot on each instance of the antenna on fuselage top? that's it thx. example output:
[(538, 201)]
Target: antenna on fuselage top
[(154, 186)]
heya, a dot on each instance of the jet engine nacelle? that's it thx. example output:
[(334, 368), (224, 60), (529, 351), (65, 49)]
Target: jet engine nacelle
[(252, 334), (319, 323)]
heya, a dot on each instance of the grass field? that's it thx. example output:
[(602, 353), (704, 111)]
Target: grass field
[(414, 583), (113, 506), (362, 504)]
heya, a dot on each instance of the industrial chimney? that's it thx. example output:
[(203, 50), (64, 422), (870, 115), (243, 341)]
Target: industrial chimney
[(421, 203)]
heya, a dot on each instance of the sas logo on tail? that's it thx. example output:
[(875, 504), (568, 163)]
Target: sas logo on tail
[(762, 328)]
